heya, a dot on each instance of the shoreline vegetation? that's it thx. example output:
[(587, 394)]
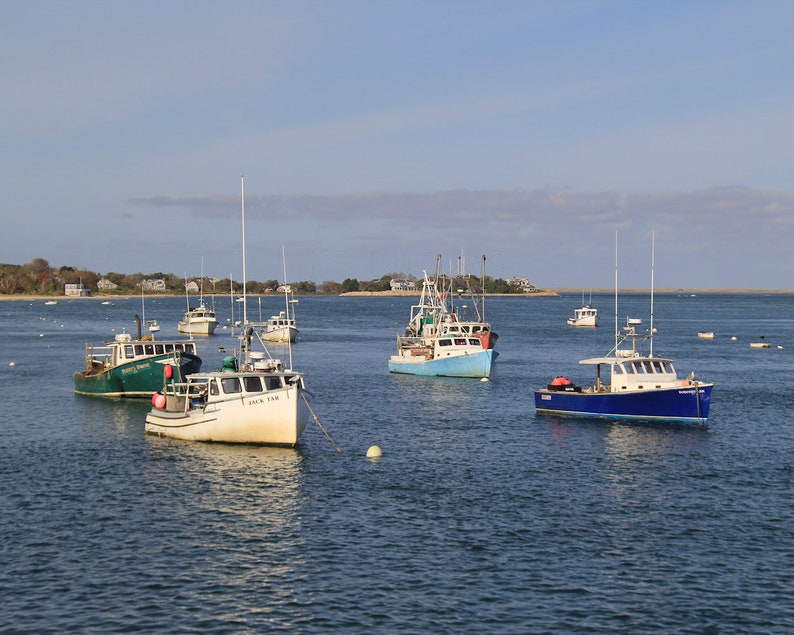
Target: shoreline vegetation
[(546, 293)]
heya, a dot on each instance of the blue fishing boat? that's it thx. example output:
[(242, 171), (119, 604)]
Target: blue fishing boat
[(630, 384)]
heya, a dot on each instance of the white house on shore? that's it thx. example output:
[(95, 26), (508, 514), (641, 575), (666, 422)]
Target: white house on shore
[(402, 285), (76, 290), (525, 285)]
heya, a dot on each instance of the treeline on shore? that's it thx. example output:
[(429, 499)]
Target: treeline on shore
[(38, 278)]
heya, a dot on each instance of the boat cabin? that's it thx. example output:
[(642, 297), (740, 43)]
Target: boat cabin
[(635, 373)]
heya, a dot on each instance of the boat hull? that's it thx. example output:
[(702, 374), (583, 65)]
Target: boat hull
[(475, 365), (270, 419), (287, 334), (681, 403), (138, 379), (197, 328)]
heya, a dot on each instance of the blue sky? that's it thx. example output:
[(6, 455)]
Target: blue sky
[(375, 134)]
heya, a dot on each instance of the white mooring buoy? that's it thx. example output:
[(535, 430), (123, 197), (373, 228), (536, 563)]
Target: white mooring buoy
[(374, 452)]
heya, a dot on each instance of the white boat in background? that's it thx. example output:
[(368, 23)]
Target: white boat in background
[(282, 327), (706, 335), (252, 399), (587, 315), (198, 321), (51, 302)]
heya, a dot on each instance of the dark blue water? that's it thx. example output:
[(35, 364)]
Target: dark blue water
[(481, 516)]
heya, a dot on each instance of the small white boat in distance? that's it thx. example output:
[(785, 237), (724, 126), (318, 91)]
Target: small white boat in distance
[(198, 321), (585, 316), (706, 335)]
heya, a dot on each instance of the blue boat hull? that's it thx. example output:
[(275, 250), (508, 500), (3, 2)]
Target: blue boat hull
[(473, 365), (684, 403)]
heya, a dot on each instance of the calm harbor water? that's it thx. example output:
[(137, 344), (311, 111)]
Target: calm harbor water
[(481, 516)]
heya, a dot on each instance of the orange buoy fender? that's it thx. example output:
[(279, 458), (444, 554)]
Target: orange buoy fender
[(169, 371), (158, 400)]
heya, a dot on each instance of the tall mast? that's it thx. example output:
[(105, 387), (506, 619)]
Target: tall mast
[(245, 307), (653, 255), (616, 292), (482, 282)]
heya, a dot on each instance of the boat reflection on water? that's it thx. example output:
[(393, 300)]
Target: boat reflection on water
[(259, 483)]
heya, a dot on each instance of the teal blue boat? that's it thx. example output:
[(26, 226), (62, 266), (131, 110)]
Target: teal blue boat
[(135, 368)]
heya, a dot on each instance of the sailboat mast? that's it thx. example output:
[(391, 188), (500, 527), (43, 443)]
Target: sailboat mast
[(616, 292), (242, 197), (653, 256), (286, 304), (482, 284)]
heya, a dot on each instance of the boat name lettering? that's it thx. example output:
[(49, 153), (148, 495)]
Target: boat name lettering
[(253, 402)]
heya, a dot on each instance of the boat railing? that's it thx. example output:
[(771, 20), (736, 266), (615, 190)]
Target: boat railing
[(97, 355)]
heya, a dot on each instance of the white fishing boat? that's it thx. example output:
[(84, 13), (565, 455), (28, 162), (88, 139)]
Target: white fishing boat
[(706, 335), (252, 399), (282, 327), (51, 302), (198, 320), (587, 315)]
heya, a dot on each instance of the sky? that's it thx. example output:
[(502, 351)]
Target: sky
[(557, 137)]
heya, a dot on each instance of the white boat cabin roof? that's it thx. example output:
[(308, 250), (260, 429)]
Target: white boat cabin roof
[(612, 361)]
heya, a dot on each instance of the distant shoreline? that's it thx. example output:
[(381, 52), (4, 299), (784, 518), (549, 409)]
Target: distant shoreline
[(547, 293)]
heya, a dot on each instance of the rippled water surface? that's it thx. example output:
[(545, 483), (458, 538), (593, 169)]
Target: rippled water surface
[(481, 516)]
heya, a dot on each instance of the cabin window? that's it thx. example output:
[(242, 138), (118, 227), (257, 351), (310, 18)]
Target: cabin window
[(214, 388), (657, 366), (460, 341), (638, 368), (465, 329), (668, 367), (252, 384), (149, 349), (139, 349), (231, 385), (273, 383), (474, 342), (129, 352), (158, 348), (198, 387), (648, 367), (445, 342), (618, 369)]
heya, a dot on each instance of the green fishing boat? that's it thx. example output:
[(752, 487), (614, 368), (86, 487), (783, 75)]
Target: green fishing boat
[(135, 368)]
